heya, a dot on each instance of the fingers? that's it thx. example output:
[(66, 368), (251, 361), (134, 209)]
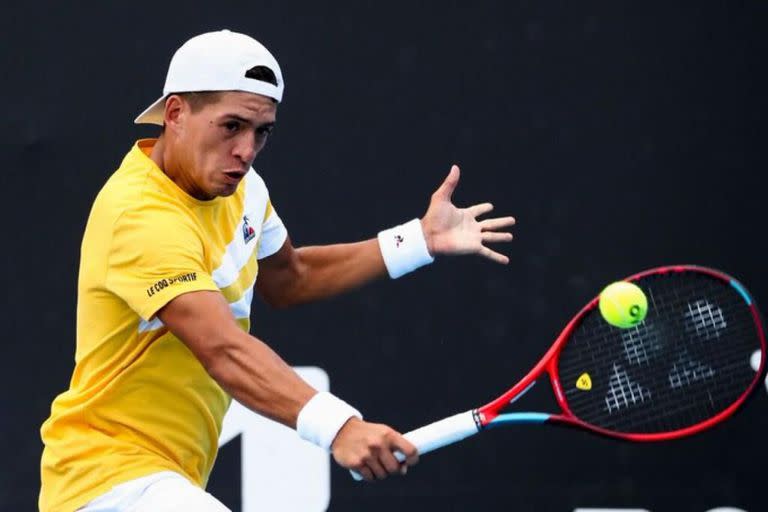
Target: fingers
[(407, 449), (398, 449), (390, 463), (374, 451), (364, 472), (490, 235), (498, 223), (445, 191), (480, 209), (385, 463), (496, 237), (494, 256), (378, 470)]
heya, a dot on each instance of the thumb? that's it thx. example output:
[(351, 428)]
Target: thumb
[(445, 191)]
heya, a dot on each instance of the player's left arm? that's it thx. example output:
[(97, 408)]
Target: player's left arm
[(296, 275)]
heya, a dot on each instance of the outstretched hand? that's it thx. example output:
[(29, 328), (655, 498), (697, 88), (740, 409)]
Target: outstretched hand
[(451, 230)]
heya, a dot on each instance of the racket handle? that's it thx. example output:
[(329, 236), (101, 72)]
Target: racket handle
[(438, 434)]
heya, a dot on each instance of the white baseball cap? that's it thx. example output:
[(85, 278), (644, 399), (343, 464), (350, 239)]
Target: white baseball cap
[(216, 61)]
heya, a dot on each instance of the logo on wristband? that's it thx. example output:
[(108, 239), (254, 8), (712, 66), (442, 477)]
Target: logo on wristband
[(398, 240)]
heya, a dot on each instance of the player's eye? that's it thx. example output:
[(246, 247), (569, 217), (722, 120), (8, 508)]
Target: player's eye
[(265, 130), (231, 126)]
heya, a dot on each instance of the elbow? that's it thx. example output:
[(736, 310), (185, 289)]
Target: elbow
[(284, 294), (285, 284)]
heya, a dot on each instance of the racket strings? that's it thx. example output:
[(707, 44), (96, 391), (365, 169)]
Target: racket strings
[(686, 362)]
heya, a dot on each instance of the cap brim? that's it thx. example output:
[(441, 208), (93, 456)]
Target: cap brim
[(154, 114)]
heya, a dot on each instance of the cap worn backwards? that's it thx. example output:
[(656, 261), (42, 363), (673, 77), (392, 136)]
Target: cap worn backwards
[(216, 61)]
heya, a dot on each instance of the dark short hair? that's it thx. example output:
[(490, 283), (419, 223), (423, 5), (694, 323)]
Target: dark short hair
[(200, 99)]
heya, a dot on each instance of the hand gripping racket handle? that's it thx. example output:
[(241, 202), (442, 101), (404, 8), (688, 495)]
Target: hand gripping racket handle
[(438, 434)]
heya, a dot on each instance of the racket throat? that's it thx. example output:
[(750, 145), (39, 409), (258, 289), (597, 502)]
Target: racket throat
[(518, 418), (491, 416)]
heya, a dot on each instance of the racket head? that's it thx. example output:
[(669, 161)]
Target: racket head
[(682, 370)]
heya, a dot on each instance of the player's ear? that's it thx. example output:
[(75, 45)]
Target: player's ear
[(175, 109)]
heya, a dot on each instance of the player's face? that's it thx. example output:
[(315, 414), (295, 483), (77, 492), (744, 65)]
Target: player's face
[(218, 143)]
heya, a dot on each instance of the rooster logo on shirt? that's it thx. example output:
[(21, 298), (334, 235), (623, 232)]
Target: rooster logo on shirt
[(248, 232)]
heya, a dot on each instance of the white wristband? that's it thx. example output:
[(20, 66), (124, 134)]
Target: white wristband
[(322, 417), (404, 248)]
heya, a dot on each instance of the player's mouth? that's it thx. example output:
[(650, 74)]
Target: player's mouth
[(234, 176)]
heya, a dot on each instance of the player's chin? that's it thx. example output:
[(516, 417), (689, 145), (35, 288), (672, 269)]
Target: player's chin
[(226, 189), (227, 184), (226, 192)]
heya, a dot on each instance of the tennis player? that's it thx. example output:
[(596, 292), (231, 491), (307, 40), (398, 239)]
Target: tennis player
[(174, 244)]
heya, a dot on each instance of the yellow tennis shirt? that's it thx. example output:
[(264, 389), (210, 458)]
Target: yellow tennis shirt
[(139, 401)]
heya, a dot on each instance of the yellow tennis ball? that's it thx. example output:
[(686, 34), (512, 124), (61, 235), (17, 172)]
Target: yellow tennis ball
[(623, 304)]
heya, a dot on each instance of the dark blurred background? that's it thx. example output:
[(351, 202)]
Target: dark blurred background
[(622, 135)]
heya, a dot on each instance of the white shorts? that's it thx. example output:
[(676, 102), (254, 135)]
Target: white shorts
[(159, 492)]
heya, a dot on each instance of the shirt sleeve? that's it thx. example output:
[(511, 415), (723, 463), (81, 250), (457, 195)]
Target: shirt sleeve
[(273, 233), (155, 255)]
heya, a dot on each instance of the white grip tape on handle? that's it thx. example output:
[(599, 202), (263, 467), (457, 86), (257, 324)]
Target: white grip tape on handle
[(438, 434)]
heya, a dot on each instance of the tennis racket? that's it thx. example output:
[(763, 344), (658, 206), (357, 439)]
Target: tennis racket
[(683, 369)]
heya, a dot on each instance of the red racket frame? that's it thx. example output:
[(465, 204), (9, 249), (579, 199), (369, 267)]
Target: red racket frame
[(548, 364)]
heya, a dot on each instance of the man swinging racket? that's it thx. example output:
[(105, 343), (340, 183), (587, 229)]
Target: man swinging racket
[(175, 243)]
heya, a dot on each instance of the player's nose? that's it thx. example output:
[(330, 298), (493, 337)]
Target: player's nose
[(246, 149)]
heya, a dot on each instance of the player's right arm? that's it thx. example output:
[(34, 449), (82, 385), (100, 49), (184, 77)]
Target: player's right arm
[(252, 373)]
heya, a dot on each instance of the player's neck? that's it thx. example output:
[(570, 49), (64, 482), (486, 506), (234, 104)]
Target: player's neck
[(157, 153)]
